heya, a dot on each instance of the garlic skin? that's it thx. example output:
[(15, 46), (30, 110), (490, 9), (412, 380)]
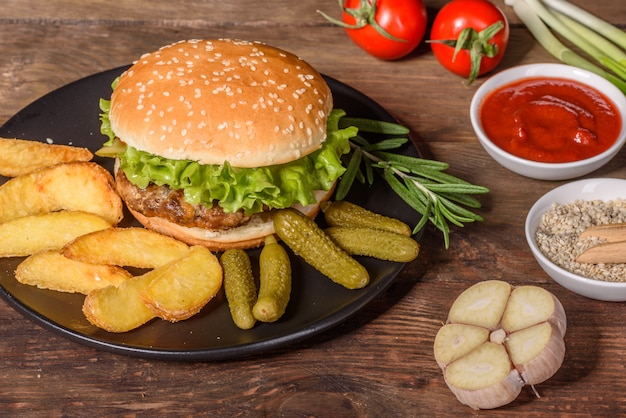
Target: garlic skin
[(498, 339), (491, 397)]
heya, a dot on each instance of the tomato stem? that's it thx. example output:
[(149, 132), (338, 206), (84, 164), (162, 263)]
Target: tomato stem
[(363, 15), (477, 43)]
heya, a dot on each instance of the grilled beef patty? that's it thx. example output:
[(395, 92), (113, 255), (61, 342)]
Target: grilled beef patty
[(164, 202)]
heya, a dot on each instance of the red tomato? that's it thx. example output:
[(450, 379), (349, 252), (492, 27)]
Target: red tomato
[(478, 15), (386, 29)]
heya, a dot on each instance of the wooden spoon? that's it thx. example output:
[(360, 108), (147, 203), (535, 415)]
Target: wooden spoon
[(610, 252), (610, 232)]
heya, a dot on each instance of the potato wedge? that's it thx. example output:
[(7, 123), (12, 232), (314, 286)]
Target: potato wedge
[(132, 247), (20, 156), (174, 291), (51, 270), (78, 186), (51, 231), (180, 289), (119, 308)]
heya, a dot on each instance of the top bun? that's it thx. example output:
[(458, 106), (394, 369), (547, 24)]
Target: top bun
[(214, 101)]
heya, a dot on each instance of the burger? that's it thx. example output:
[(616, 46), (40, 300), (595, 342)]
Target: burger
[(211, 136)]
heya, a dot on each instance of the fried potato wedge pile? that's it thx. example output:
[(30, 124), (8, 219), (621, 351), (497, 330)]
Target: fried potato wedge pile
[(20, 156), (174, 291), (181, 281), (76, 186), (61, 211)]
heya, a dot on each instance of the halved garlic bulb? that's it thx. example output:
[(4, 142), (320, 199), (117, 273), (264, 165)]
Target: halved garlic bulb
[(499, 338)]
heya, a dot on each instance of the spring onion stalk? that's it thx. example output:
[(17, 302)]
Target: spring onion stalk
[(605, 51), (604, 28), (589, 41), (532, 13)]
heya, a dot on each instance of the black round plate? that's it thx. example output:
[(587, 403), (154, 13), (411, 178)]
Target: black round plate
[(70, 115)]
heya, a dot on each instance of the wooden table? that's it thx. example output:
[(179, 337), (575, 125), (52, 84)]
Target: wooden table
[(380, 362)]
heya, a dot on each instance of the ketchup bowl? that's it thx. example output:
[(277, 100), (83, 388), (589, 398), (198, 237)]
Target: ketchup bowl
[(549, 121)]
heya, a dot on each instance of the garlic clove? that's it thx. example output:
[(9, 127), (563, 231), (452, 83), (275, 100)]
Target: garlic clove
[(484, 379), (537, 352), (454, 341), (481, 304), (530, 305)]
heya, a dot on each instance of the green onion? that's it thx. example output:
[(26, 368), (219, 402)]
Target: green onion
[(584, 17), (585, 32)]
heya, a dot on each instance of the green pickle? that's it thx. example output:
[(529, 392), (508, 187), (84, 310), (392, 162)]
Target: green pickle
[(239, 286), (380, 244), (275, 282), (309, 241), (342, 213)]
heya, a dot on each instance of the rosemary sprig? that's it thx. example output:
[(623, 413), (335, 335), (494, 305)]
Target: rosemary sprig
[(439, 197)]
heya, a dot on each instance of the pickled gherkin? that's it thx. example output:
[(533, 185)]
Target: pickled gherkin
[(309, 241), (239, 287), (370, 242), (342, 213), (275, 282)]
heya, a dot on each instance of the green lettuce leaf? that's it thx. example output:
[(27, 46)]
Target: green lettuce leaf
[(250, 189)]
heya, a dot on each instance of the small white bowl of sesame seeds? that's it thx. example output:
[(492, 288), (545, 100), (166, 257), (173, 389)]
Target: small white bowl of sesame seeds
[(554, 224)]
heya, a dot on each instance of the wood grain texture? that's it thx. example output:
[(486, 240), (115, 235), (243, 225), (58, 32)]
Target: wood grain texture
[(377, 364)]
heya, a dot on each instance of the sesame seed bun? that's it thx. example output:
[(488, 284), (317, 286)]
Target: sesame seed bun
[(213, 101)]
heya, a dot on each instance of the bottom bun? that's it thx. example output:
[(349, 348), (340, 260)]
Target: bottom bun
[(250, 235)]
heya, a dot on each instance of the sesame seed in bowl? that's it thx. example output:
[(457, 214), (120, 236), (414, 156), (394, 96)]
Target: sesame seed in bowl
[(553, 228)]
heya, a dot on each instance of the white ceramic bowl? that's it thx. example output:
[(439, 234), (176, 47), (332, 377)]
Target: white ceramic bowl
[(589, 189), (539, 170)]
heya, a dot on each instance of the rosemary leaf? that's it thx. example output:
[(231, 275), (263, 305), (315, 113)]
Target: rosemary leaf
[(455, 188), (386, 144), (404, 193), (374, 126), (447, 214), (438, 176), (414, 163), (350, 174), (464, 214), (369, 171), (462, 199), (360, 141)]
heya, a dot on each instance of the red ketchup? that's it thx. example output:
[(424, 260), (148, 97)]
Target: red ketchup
[(550, 120)]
